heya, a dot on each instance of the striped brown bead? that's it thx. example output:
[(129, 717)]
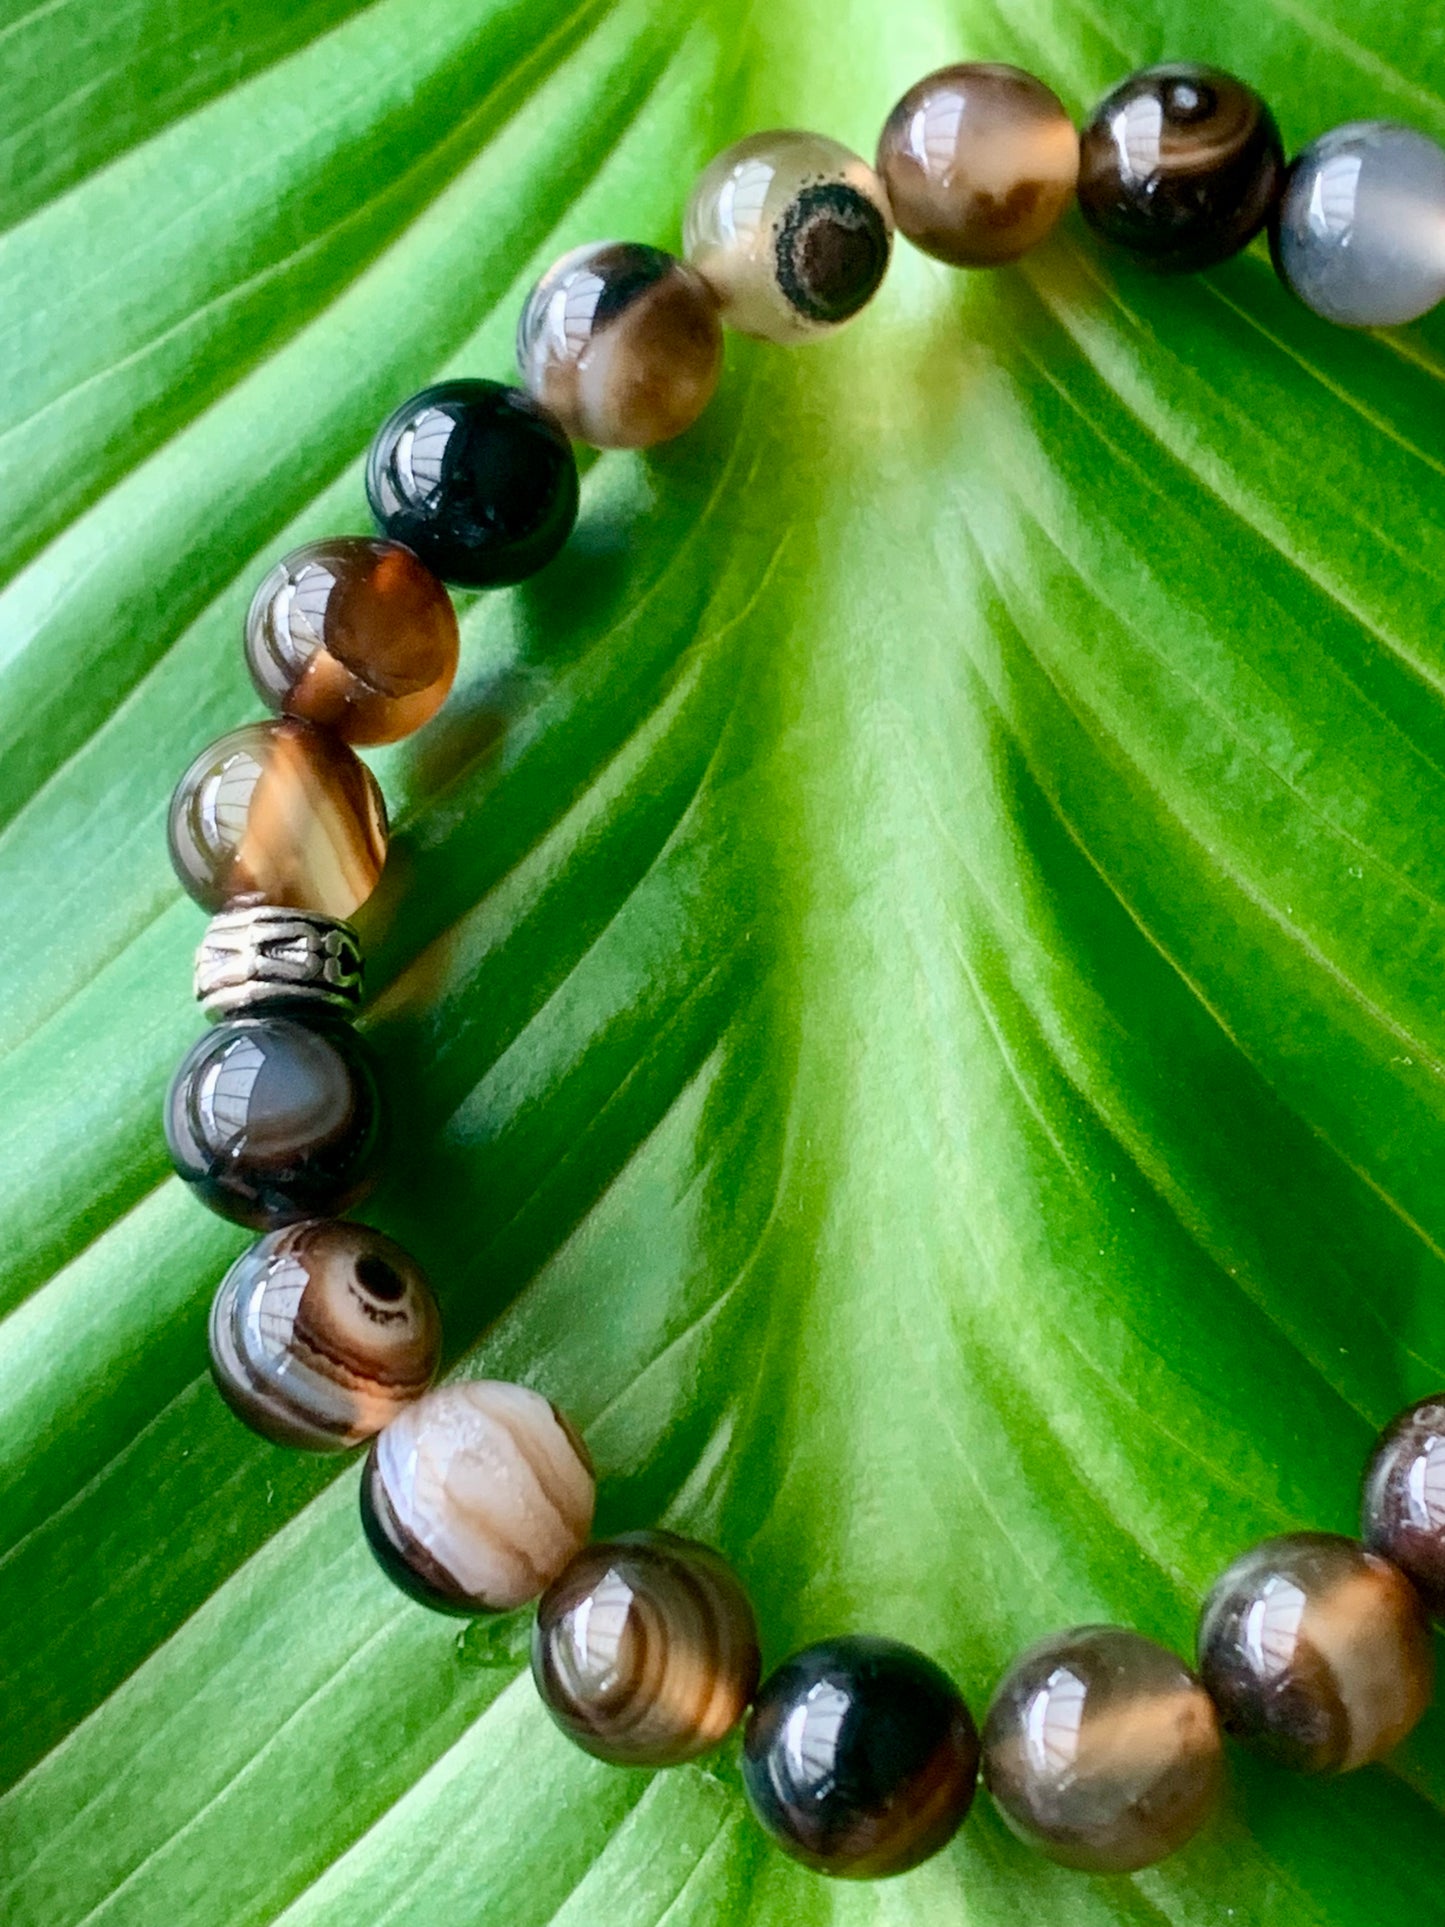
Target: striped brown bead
[(645, 1651)]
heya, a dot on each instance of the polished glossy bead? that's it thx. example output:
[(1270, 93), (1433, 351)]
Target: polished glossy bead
[(354, 634), (1359, 234), (321, 1333), (1102, 1750), (278, 813), (261, 958), (622, 342), (645, 1651), (791, 232), (1181, 165), (272, 1119), (1317, 1652), (477, 478), (477, 1497), (860, 1757), (979, 162), (1403, 1510)]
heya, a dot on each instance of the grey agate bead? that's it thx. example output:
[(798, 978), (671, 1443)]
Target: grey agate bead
[(1359, 234)]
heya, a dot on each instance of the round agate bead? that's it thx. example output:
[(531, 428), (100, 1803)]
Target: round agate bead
[(278, 813), (356, 635), (645, 1651), (622, 342), (1102, 1750), (791, 232), (272, 1120), (1359, 234), (321, 1333), (1317, 1652), (476, 478), (1181, 165), (979, 161), (477, 1497), (1403, 1509), (860, 1757)]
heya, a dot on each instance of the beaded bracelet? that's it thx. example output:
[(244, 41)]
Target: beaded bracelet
[(859, 1755)]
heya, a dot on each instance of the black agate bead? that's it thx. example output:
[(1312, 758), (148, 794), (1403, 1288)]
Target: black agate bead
[(1404, 1499), (477, 479), (860, 1757)]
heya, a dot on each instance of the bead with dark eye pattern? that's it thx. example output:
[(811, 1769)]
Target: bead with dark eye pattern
[(1403, 1508), (278, 813), (791, 232), (645, 1651), (477, 1497), (1180, 165), (622, 342), (353, 634), (1317, 1652), (477, 478), (321, 1333), (860, 1757), (979, 161), (272, 1120), (1102, 1750)]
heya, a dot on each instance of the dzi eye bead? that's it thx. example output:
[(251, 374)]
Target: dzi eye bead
[(356, 635), (280, 814), (1404, 1499), (478, 478), (645, 1651), (273, 1120), (860, 1757), (622, 342), (1358, 233), (1102, 1750), (321, 1333), (477, 1497), (979, 162), (1316, 1652), (1181, 165), (791, 232)]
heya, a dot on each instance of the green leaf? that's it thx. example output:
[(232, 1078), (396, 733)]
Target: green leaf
[(909, 971)]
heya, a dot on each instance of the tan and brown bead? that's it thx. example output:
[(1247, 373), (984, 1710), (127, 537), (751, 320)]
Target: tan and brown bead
[(645, 1651), (791, 231), (477, 1496), (1102, 1750), (355, 634), (321, 1333), (278, 813), (1317, 1652), (622, 342), (979, 161)]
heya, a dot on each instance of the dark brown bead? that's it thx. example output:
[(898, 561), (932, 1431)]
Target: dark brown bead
[(278, 813), (1317, 1652), (1181, 165), (645, 1651), (354, 634), (979, 161), (1404, 1499), (1102, 1750)]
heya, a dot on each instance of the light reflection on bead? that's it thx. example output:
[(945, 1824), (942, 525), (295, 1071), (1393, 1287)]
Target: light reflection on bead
[(1403, 1508)]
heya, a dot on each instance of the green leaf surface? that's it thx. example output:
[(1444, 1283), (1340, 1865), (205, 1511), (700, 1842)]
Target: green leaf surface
[(909, 973)]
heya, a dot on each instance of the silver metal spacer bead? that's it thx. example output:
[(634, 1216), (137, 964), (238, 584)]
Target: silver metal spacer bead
[(262, 955)]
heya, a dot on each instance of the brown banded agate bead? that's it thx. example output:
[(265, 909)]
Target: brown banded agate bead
[(645, 1651), (321, 1333), (278, 813), (354, 634), (1316, 1652), (477, 1497), (1403, 1508), (979, 161), (792, 233), (1102, 1750), (622, 342)]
